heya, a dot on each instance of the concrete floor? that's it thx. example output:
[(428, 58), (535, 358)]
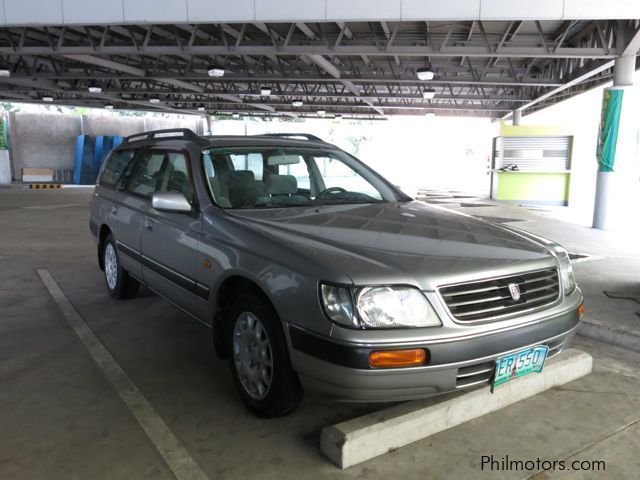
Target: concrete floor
[(60, 418)]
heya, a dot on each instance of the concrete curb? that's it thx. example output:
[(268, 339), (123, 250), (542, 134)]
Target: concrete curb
[(602, 332), (355, 441)]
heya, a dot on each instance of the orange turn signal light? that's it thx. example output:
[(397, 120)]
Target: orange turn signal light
[(398, 358), (580, 310)]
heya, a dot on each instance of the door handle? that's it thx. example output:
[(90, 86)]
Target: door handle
[(149, 224)]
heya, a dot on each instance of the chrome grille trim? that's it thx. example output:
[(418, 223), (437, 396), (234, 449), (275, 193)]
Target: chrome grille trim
[(489, 299)]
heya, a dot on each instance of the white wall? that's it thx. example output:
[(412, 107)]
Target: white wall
[(581, 114)]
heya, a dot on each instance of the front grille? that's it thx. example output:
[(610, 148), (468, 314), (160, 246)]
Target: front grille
[(475, 374), (481, 373), (491, 299)]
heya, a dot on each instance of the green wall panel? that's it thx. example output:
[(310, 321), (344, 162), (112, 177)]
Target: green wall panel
[(534, 186)]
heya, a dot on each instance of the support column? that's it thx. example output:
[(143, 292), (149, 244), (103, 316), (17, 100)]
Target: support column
[(606, 208), (623, 71), (516, 116)]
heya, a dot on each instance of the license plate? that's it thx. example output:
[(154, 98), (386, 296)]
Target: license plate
[(519, 364)]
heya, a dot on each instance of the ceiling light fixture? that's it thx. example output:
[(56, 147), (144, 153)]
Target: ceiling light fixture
[(297, 103), (428, 94), (321, 112), (429, 114), (5, 72), (108, 107), (216, 72), (201, 109), (95, 89), (265, 91), (47, 99), (236, 115), (424, 74), (154, 100)]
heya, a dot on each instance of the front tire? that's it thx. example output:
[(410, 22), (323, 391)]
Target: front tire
[(259, 358), (120, 284)]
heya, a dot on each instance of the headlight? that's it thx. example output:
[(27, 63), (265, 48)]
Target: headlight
[(384, 307), (379, 307), (566, 270)]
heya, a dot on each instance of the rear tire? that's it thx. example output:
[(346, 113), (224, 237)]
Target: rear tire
[(259, 358), (120, 284)]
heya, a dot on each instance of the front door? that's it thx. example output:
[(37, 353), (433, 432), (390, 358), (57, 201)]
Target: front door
[(170, 240)]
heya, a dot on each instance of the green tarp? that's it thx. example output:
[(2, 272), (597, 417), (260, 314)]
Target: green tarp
[(609, 124)]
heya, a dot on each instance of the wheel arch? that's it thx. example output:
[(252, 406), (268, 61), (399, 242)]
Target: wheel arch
[(229, 289)]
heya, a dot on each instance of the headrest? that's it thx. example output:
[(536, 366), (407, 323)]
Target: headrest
[(281, 185)]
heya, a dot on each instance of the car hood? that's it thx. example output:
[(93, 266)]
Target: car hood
[(412, 243)]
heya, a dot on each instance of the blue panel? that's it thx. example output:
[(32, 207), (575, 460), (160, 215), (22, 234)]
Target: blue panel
[(83, 172), (90, 155), (98, 156), (77, 164)]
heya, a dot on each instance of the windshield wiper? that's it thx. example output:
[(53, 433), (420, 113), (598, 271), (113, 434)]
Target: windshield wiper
[(275, 205), (347, 201), (257, 205)]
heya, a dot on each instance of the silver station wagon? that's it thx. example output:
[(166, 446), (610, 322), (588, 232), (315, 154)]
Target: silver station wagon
[(315, 273)]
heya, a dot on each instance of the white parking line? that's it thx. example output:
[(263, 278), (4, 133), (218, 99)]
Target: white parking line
[(173, 452)]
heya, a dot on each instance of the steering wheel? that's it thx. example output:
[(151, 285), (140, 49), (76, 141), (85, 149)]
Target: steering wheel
[(329, 190)]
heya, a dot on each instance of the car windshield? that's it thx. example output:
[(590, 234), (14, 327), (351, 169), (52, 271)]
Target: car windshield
[(270, 177)]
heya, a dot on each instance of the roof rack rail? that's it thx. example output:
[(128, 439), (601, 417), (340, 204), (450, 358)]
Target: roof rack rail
[(167, 133), (308, 136)]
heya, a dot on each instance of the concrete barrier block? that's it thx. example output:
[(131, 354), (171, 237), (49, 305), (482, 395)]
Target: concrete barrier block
[(355, 441)]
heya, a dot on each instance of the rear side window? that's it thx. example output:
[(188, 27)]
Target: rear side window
[(115, 167)]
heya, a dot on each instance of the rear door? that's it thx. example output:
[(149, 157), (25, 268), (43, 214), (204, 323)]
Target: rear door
[(125, 214), (112, 172), (170, 240)]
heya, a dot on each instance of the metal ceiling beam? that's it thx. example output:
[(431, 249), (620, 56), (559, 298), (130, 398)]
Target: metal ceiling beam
[(260, 77), (633, 45), (119, 67), (326, 65), (362, 66), (238, 94), (334, 71), (341, 50), (576, 80), (50, 87), (222, 110), (103, 62)]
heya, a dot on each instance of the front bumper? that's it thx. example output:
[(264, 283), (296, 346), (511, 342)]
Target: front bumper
[(341, 369)]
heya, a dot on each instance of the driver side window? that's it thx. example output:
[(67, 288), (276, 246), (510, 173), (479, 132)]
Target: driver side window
[(337, 174), (161, 172), (145, 178)]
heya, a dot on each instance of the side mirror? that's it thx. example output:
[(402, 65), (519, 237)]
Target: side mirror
[(170, 202)]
